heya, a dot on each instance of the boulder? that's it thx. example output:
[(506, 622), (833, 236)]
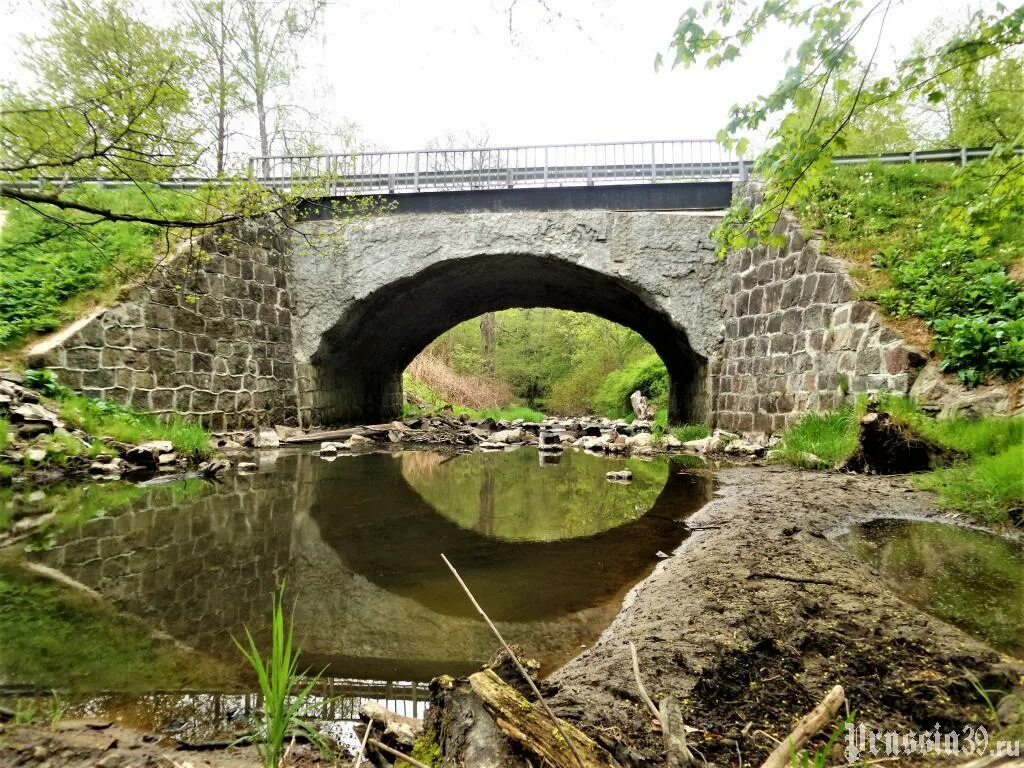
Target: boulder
[(285, 433), (743, 447), (508, 436), (358, 441), (490, 445), (639, 440), (35, 455), (247, 466), (33, 413), (671, 442), (944, 395), (265, 438), (642, 409), (107, 465), (621, 476)]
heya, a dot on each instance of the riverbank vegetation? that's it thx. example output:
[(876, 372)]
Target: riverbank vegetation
[(51, 270), (547, 360), (120, 423), (927, 245), (986, 483)]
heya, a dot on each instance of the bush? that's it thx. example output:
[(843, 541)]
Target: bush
[(933, 249), (44, 264), (647, 374)]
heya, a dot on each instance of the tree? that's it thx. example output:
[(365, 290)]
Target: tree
[(810, 125), (110, 99), (267, 46), (213, 27)]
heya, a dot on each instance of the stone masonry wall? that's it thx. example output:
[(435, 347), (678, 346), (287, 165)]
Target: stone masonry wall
[(796, 339), (212, 343)]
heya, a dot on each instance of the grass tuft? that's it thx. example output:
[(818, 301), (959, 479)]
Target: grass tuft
[(688, 432), (988, 487), (831, 436), (5, 433), (278, 676)]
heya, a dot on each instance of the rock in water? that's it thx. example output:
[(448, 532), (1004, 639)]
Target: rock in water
[(266, 438), (641, 408)]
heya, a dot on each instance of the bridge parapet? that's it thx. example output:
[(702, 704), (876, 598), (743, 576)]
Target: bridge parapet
[(529, 167)]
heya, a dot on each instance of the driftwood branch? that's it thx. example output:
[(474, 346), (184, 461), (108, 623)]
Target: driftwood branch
[(640, 683), (814, 721), (515, 660), (395, 753), (669, 717), (362, 745)]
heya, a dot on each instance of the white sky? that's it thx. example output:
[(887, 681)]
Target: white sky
[(407, 71)]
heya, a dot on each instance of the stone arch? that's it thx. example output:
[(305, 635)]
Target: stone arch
[(357, 367)]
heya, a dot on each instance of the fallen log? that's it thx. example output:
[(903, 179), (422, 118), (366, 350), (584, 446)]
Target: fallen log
[(527, 726)]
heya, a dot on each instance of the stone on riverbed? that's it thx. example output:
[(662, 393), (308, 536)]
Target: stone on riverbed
[(508, 436), (621, 476), (266, 438)]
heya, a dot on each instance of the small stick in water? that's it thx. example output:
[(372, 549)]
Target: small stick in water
[(515, 660)]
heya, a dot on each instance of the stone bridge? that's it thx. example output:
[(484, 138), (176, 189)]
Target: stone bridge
[(315, 328)]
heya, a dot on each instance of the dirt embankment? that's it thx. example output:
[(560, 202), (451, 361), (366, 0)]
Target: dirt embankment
[(754, 618)]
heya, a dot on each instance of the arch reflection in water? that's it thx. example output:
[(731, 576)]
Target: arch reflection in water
[(550, 552)]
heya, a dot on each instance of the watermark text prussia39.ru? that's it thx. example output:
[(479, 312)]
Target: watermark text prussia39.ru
[(863, 743)]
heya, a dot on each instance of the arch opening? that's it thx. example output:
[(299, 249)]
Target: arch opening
[(359, 362)]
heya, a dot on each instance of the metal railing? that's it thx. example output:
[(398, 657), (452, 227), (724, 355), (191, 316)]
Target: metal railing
[(531, 167)]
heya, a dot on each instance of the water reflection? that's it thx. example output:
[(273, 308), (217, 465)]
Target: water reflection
[(550, 551), (970, 578)]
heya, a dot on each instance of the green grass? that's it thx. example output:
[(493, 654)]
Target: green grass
[(987, 487), (5, 433), (926, 244), (505, 414), (105, 419), (53, 637), (278, 677), (45, 267), (688, 432), (831, 436)]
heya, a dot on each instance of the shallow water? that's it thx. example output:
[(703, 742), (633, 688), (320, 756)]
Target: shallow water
[(970, 578), (549, 548)]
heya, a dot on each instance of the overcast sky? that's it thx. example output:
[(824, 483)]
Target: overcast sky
[(407, 71)]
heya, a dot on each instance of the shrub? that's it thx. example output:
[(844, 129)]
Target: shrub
[(933, 248), (648, 374), (44, 265)]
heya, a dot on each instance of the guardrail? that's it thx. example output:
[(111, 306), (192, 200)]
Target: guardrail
[(568, 165), (557, 165)]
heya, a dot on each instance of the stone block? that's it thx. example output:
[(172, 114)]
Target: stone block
[(792, 319), (98, 378), (824, 291), (786, 268), (808, 292), (781, 344), (861, 312), (791, 292), (807, 260), (82, 358)]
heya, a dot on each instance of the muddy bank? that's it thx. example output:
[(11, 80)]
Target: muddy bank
[(753, 619)]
